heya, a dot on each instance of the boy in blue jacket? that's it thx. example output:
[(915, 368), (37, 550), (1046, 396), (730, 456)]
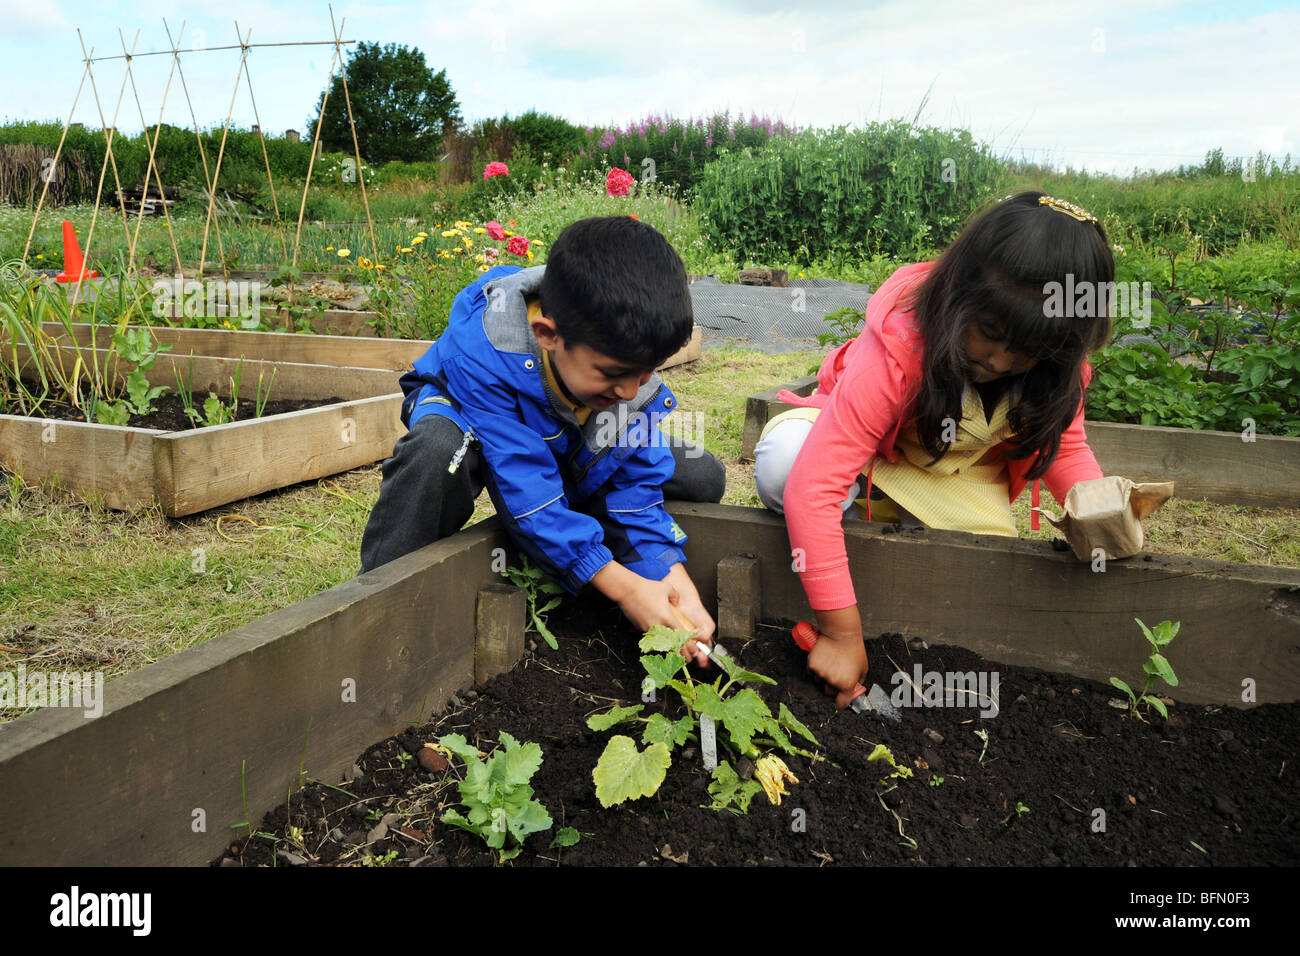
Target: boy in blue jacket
[(543, 389)]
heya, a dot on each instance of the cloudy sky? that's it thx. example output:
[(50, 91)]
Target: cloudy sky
[(1107, 86)]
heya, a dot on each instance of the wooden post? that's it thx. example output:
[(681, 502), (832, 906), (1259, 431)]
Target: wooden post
[(499, 623), (739, 596)]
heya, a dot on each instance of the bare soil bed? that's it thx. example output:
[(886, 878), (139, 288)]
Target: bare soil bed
[(1065, 779)]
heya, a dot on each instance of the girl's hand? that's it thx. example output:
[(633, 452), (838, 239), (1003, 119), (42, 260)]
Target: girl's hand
[(839, 658)]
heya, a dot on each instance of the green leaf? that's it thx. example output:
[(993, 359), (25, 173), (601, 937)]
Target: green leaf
[(615, 715), (1159, 665), (790, 722), (530, 818), (540, 626), (881, 752), (519, 762), (660, 638), (457, 744), (727, 788), (1125, 688), (671, 733), (708, 702), (662, 669), (565, 836), (744, 714), (1158, 704), (624, 773), (742, 676)]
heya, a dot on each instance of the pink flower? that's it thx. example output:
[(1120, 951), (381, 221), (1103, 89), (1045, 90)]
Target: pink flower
[(491, 252), (517, 246), (495, 231), (618, 182), (495, 169)]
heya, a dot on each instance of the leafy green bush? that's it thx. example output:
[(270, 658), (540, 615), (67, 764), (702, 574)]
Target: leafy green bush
[(890, 189)]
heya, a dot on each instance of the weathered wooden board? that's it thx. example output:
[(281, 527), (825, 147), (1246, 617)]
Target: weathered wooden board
[(112, 464), (207, 467), (156, 779), (1237, 468), (340, 350), (1021, 602)]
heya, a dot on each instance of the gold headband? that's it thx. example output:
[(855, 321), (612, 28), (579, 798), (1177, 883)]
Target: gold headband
[(1069, 208)]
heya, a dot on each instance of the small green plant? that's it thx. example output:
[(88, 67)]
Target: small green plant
[(531, 579), (626, 773), (1157, 667), (218, 412), (496, 794), (984, 736), (845, 323), (384, 860), (1021, 809), (883, 753), (936, 780)]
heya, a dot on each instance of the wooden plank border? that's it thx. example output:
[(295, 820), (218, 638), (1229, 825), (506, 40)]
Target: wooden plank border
[(354, 664), (1239, 468), (1021, 602)]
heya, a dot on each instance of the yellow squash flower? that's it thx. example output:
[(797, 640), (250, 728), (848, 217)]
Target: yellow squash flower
[(365, 263), (773, 774)]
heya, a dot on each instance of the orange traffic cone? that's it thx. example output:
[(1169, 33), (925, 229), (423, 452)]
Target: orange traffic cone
[(73, 265)]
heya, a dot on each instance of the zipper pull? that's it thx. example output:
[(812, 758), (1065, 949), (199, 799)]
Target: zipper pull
[(457, 458)]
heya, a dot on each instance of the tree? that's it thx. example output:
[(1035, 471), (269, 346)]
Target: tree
[(401, 108)]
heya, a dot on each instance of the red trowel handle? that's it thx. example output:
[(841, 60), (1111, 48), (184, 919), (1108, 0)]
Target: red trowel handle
[(806, 635)]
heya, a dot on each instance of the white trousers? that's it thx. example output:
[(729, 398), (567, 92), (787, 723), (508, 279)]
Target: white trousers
[(774, 456)]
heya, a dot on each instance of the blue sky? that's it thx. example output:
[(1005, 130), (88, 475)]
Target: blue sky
[(1108, 86)]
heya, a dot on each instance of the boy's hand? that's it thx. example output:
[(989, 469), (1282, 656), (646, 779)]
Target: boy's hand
[(839, 658), (646, 603)]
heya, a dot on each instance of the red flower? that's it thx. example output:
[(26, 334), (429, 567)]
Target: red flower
[(517, 246), (632, 215), (495, 231), (495, 169), (618, 182)]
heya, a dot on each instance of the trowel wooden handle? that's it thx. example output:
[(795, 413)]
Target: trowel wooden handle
[(806, 635), (682, 618)]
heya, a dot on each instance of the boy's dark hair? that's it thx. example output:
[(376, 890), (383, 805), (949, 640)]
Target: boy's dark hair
[(614, 284), (995, 273)]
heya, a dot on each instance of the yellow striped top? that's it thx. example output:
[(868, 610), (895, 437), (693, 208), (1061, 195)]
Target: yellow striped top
[(959, 492)]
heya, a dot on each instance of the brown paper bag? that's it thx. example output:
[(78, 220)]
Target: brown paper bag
[(1107, 513)]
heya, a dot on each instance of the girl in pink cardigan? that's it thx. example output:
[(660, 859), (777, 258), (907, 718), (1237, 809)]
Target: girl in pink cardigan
[(981, 330)]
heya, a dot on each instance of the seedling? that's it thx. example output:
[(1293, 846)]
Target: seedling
[(626, 773), (530, 578), (496, 793), (384, 860), (936, 780), (1021, 809), (1156, 666), (984, 736), (883, 753)]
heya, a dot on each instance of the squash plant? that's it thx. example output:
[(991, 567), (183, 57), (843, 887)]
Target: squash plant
[(626, 772)]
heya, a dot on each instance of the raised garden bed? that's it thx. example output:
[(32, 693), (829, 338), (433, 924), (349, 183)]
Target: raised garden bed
[(196, 469), (317, 683), (1062, 779), (1210, 465)]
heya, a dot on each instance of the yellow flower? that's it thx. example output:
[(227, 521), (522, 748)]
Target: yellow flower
[(479, 230), (530, 255), (450, 232), (444, 254), (508, 233), (40, 255), (329, 248), (418, 239), (538, 242), (421, 236), (801, 275), (480, 258), (404, 249), (365, 263), (462, 224), (482, 268), (772, 773), (379, 267), (458, 250), (344, 252), (469, 243)]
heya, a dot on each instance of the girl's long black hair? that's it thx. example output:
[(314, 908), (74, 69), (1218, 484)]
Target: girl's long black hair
[(997, 273)]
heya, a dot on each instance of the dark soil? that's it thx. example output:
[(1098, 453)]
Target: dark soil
[(1212, 786), (169, 414)]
